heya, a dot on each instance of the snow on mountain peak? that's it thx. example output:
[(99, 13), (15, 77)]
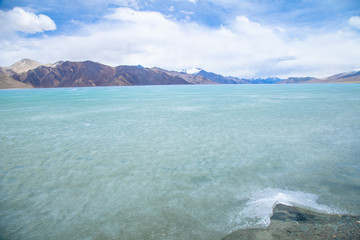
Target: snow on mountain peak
[(192, 70)]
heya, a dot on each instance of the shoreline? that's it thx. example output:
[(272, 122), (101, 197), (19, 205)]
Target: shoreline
[(289, 222)]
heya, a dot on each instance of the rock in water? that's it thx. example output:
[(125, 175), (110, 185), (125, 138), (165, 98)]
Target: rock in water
[(290, 222)]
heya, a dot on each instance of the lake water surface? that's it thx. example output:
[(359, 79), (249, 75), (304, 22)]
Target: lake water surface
[(173, 162)]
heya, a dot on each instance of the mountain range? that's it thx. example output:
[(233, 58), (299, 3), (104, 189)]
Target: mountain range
[(31, 74)]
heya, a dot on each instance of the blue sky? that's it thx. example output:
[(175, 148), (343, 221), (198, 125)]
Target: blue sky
[(250, 38)]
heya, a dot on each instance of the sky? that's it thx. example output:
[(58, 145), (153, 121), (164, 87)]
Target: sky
[(241, 38)]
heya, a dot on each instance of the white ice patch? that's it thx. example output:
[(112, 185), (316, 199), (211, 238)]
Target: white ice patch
[(259, 209)]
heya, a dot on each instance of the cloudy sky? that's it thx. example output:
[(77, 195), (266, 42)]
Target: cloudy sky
[(243, 38)]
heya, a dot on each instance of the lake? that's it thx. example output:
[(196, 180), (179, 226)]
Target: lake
[(173, 162)]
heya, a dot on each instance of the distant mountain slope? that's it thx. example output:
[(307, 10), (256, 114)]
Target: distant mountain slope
[(269, 80), (347, 77), (300, 80), (69, 74), (191, 78), (147, 76), (233, 80), (29, 73), (24, 65), (8, 82), (221, 79), (89, 74)]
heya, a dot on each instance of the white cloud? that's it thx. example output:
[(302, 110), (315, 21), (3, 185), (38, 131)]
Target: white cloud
[(355, 22), (244, 48), (18, 19)]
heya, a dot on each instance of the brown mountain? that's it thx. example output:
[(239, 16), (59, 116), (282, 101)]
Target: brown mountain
[(88, 74), (8, 82), (191, 78)]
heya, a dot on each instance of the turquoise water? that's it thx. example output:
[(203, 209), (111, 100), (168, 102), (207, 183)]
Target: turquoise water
[(173, 162)]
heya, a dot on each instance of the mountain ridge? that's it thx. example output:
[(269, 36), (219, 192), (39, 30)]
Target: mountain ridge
[(28, 73), (90, 74)]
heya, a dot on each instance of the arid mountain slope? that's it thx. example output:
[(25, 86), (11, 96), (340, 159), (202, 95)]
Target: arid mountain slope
[(88, 74), (8, 82), (191, 78), (29, 73)]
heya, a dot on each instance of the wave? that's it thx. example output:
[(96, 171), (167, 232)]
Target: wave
[(259, 208)]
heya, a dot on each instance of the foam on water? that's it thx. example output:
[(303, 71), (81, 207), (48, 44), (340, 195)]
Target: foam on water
[(259, 209)]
